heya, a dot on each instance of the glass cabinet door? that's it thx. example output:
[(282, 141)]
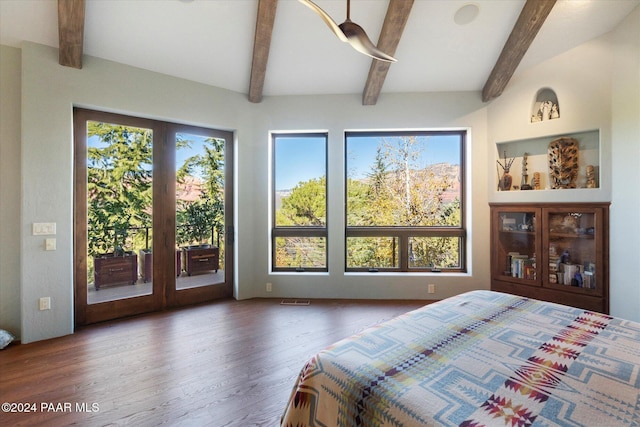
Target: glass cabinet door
[(573, 246), (515, 246)]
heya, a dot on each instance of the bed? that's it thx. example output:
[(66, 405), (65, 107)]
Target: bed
[(478, 359)]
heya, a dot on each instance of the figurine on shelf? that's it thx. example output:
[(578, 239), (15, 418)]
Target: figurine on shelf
[(504, 183), (547, 110), (577, 280), (591, 176), (536, 180), (524, 185)]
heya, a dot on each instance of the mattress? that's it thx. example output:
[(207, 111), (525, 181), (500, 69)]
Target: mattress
[(481, 358)]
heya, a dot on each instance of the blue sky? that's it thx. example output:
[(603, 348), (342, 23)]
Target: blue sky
[(197, 147), (301, 159), (298, 160)]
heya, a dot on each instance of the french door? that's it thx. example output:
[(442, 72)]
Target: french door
[(153, 220)]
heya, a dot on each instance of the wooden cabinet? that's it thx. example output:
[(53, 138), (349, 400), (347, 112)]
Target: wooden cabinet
[(556, 252), (199, 259), (115, 270)]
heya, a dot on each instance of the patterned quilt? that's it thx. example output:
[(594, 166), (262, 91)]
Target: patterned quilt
[(478, 359)]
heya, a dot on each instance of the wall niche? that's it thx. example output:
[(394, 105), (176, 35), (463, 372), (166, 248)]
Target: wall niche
[(526, 157), (545, 106)]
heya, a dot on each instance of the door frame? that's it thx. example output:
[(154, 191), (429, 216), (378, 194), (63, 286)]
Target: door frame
[(164, 293)]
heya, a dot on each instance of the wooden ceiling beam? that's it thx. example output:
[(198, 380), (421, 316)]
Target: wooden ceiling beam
[(261, 46), (71, 32), (533, 15), (392, 29)]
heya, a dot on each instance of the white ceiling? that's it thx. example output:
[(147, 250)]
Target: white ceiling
[(211, 41)]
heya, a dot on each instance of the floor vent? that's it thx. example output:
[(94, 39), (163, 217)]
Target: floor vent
[(295, 302)]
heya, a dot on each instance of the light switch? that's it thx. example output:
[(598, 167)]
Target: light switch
[(50, 244), (44, 228)]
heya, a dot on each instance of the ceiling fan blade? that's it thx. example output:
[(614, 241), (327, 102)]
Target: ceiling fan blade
[(359, 40), (350, 32), (326, 18)]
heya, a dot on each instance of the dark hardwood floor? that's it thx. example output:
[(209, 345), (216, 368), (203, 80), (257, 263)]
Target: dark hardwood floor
[(228, 363)]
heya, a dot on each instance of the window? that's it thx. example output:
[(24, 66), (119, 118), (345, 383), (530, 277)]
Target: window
[(299, 204), (404, 201)]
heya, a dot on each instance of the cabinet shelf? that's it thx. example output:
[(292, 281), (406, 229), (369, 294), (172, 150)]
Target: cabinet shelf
[(517, 279), (569, 266), (517, 232), (570, 236)]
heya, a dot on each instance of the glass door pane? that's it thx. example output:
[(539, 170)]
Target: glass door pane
[(573, 251), (200, 210), (119, 211), (515, 245)]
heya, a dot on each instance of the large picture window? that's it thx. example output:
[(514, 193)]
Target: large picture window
[(299, 229), (404, 201)]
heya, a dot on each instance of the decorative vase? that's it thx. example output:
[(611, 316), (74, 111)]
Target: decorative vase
[(505, 181)]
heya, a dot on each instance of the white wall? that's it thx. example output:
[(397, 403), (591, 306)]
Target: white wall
[(580, 79), (337, 114), (598, 87), (588, 80), (10, 189), (49, 91), (625, 132)]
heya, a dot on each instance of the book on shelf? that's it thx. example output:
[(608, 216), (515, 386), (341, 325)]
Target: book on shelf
[(574, 275), (530, 272), (522, 266)]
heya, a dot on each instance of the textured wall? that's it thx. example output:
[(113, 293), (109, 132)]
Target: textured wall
[(10, 189)]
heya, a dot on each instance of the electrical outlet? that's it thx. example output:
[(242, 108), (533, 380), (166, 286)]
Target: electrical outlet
[(269, 287), (431, 288), (45, 303)]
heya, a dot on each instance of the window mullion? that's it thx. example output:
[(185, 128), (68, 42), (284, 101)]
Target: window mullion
[(403, 240)]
